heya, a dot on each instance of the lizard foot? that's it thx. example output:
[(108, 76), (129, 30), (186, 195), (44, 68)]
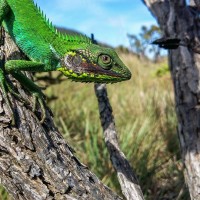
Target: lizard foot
[(34, 90), (38, 96), (13, 92)]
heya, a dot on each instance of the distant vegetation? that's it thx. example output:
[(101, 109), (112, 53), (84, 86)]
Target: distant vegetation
[(68, 31), (141, 44)]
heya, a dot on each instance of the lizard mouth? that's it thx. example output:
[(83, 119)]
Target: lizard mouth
[(90, 72)]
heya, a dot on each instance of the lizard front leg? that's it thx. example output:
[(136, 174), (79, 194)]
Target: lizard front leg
[(15, 67)]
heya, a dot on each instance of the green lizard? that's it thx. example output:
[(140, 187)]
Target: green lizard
[(48, 50)]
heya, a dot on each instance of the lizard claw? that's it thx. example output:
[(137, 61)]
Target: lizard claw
[(40, 97)]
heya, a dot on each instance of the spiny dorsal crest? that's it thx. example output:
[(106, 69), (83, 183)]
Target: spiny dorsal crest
[(78, 38)]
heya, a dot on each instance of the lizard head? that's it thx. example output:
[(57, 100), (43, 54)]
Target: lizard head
[(94, 64)]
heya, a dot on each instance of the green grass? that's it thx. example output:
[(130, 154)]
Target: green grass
[(146, 123)]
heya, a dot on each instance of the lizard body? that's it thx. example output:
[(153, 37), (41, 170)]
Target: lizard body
[(48, 50)]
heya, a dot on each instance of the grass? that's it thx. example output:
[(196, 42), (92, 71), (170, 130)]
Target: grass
[(146, 122)]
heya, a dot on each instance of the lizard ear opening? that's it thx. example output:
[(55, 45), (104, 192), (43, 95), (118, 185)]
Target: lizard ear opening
[(72, 61), (77, 60)]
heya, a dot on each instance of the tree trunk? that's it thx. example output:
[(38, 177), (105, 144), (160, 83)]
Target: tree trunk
[(178, 20), (35, 160)]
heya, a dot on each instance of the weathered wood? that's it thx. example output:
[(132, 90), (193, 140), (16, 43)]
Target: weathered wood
[(177, 20), (36, 163), (127, 178), (195, 3)]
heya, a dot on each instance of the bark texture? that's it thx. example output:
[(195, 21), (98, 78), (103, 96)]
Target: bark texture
[(179, 20), (127, 178), (36, 163)]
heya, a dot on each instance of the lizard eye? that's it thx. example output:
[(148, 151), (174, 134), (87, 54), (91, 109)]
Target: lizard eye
[(105, 61)]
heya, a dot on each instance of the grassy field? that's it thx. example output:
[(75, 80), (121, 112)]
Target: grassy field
[(146, 123)]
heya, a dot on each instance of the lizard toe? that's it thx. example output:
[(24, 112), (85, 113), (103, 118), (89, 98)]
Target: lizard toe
[(39, 97)]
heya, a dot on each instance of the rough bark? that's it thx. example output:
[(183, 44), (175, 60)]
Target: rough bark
[(178, 20), (127, 178), (35, 160)]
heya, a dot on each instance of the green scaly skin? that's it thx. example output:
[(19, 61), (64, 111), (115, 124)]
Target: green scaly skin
[(75, 56)]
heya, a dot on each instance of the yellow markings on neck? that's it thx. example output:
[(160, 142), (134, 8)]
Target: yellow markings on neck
[(72, 53)]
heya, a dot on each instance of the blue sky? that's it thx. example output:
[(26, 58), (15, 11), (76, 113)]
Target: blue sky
[(109, 20)]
